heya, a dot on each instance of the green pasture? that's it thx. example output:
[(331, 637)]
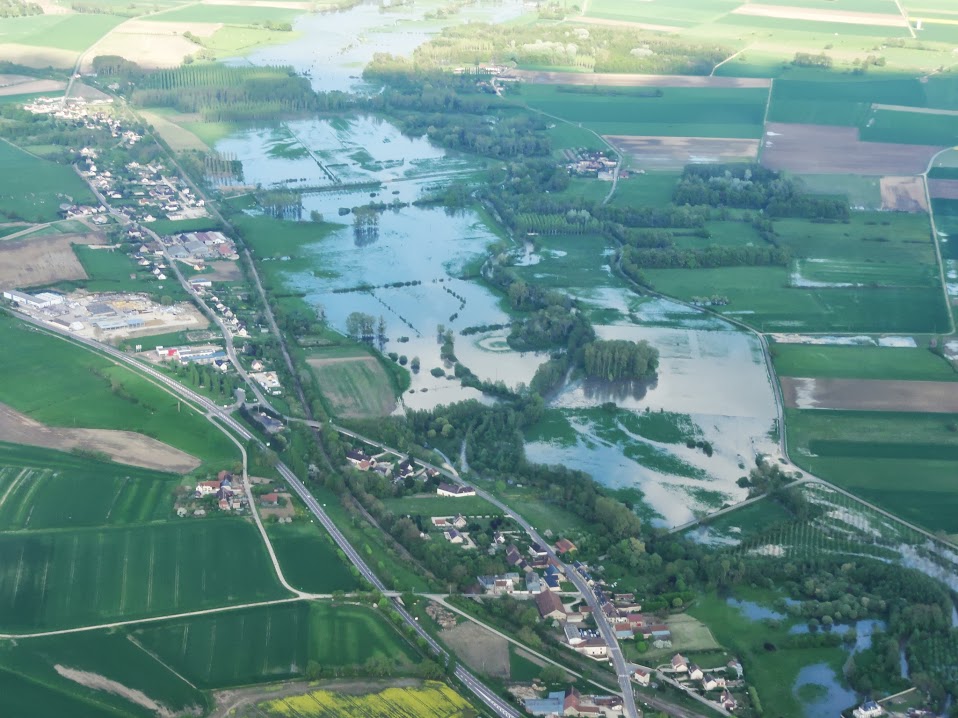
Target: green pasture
[(861, 362), (309, 559), (22, 697), (44, 498), (872, 453), (272, 643), (565, 135), (914, 128), (644, 190), (227, 14), (32, 189), (678, 111), (946, 221), (176, 226), (846, 102), (110, 654), (861, 190), (660, 12), (360, 388), (819, 30), (84, 389), (74, 32), (55, 579), (887, 7), (434, 505), (569, 261), (113, 271)]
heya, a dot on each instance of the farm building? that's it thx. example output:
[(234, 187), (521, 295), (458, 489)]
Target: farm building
[(550, 605), (454, 490)]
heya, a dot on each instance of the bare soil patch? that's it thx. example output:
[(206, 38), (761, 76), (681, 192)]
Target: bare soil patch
[(479, 649), (33, 87), (935, 397), (101, 683), (44, 260), (124, 447), (903, 194), (824, 149), (943, 189), (915, 110), (803, 13), (33, 56), (151, 44), (222, 272), (612, 79), (676, 152)]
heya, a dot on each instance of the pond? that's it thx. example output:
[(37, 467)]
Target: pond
[(819, 690), (864, 630), (755, 611)]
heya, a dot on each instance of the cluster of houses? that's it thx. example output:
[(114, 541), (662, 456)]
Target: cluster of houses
[(77, 110), (232, 322), (194, 248), (708, 680), (400, 471), (590, 163), (571, 702), (622, 614), (222, 488)]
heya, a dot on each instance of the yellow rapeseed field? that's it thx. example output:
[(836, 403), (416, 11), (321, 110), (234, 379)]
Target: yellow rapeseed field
[(430, 700)]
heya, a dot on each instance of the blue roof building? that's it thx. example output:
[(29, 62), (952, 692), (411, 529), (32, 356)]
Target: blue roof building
[(553, 703)]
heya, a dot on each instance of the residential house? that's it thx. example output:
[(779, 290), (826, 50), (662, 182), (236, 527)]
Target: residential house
[(513, 557), (695, 673), (550, 606), (728, 701), (205, 488), (680, 664), (359, 459), (868, 709), (660, 632), (270, 499), (460, 522), (737, 667), (498, 538), (534, 583), (453, 536), (623, 631), (564, 546), (536, 551), (454, 490), (639, 621), (552, 582), (499, 585), (709, 682), (612, 614), (643, 677), (593, 647), (405, 469)]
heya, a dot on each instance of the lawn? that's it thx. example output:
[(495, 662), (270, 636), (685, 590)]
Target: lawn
[(273, 643), (55, 579), (32, 189), (81, 388), (38, 491), (310, 560), (861, 362), (441, 506), (669, 111), (871, 453)]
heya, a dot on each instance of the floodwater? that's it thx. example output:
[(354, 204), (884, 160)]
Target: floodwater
[(755, 611), (836, 697)]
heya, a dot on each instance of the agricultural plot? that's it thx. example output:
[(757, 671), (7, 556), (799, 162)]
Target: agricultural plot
[(80, 387), (674, 153), (32, 189), (71, 31), (871, 395), (861, 362), (113, 271), (428, 700), (21, 697), (660, 12), (240, 14), (53, 579), (833, 102), (910, 127), (822, 149), (272, 643), (39, 261), (626, 79), (310, 560), (665, 111), (354, 385), (869, 453)]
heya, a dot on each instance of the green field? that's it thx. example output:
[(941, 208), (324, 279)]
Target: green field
[(441, 506), (309, 559), (846, 102), (74, 32), (31, 188), (56, 579), (914, 128), (273, 643), (81, 388), (861, 190), (871, 453), (681, 112), (660, 12), (227, 14), (861, 362), (109, 654), (111, 271), (169, 226), (38, 490), (354, 383)]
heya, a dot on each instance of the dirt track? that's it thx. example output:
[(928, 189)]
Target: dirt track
[(44, 260), (610, 79), (124, 447), (824, 149), (935, 397), (676, 152), (479, 649)]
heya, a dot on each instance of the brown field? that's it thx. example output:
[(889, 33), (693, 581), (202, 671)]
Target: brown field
[(44, 260), (802, 13), (32, 87), (479, 649), (903, 194), (824, 149), (943, 189), (150, 44), (32, 56), (124, 447), (627, 23), (676, 152), (935, 397), (222, 271), (178, 138), (612, 79)]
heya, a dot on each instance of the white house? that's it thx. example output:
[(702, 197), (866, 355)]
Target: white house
[(455, 490), (642, 677), (593, 648), (680, 664), (695, 673), (868, 709)]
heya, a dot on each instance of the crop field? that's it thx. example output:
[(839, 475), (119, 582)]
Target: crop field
[(43, 497), (917, 128), (65, 32), (226, 14), (177, 137), (102, 668), (673, 153), (112, 271), (37, 261), (30, 187), (660, 12), (861, 362), (824, 149), (429, 700), (433, 505), (839, 103), (82, 388), (670, 111), (272, 643), (355, 386), (310, 560), (593, 80), (20, 697), (57, 579), (871, 395), (869, 453)]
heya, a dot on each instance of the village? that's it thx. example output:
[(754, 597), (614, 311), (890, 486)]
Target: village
[(226, 493)]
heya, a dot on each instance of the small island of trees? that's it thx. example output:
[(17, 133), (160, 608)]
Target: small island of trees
[(620, 360)]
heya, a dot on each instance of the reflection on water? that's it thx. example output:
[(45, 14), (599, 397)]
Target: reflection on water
[(600, 391)]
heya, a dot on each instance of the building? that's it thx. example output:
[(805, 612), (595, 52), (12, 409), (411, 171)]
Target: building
[(695, 673), (868, 709), (709, 682), (573, 635), (205, 488), (623, 632), (455, 490), (553, 704), (359, 459), (728, 701), (680, 664), (405, 469), (550, 606), (593, 648), (643, 677), (499, 585), (40, 301), (453, 536), (268, 380), (270, 499), (564, 546)]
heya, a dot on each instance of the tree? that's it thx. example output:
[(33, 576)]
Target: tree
[(552, 674)]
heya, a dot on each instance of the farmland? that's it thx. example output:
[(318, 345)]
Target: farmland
[(38, 261), (861, 362), (871, 395), (353, 382), (32, 189), (272, 643), (433, 505), (310, 560), (429, 700), (55, 579), (75, 32)]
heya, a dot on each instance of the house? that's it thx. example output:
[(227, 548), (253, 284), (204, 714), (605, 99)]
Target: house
[(564, 546), (695, 673), (454, 490), (534, 583), (499, 585), (405, 469), (709, 682), (623, 632), (549, 605), (205, 488), (593, 647), (498, 538), (536, 551), (360, 460), (224, 505), (573, 635), (868, 709), (460, 522), (737, 667), (680, 664), (453, 536), (612, 613), (643, 677), (269, 500), (552, 582), (553, 704), (728, 701), (513, 557), (638, 620)]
